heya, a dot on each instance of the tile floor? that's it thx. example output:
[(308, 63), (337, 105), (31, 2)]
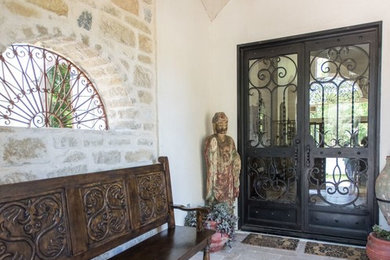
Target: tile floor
[(249, 252)]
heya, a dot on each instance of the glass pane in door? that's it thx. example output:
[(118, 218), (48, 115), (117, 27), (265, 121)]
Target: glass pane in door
[(272, 101), (340, 182), (272, 179), (339, 83)]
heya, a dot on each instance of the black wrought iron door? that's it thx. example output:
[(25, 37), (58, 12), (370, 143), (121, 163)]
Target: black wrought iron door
[(308, 127)]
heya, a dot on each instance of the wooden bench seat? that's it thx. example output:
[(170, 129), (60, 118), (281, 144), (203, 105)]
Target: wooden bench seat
[(172, 244), (83, 216)]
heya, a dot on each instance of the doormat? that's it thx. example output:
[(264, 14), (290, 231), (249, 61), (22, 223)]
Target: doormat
[(271, 241), (345, 252)]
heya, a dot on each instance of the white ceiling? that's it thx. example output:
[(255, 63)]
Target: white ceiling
[(213, 7)]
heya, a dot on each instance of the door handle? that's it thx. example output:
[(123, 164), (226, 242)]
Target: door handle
[(308, 156), (296, 152)]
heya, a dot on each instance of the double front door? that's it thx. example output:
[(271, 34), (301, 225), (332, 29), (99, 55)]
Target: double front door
[(308, 134)]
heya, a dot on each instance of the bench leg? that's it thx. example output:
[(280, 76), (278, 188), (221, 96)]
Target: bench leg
[(206, 253)]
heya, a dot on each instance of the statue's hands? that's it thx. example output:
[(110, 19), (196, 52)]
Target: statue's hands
[(209, 199)]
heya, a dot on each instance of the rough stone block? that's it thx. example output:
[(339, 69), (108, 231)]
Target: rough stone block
[(120, 141), (111, 81), (145, 141), (145, 97), (142, 77), (138, 24), (144, 59), (110, 69), (91, 3), (128, 113), (28, 33), (125, 64), (74, 156), (145, 43), (147, 115), (111, 10), (117, 92), (131, 6), (57, 31), (85, 39), (97, 61), (136, 156), (93, 141), (65, 142), (148, 127), (148, 15), (111, 114), (57, 6), (99, 72), (23, 150), (98, 47), (6, 129), (111, 157), (128, 124), (117, 32), (119, 102), (42, 30), (21, 10), (16, 177)]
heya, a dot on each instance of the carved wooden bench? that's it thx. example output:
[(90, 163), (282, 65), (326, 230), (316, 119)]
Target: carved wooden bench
[(83, 216)]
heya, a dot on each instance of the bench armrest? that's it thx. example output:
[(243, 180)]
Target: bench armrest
[(201, 212)]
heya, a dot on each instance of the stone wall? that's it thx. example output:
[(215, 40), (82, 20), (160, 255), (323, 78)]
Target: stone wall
[(113, 42)]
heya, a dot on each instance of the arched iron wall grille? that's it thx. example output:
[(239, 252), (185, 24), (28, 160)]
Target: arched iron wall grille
[(40, 88)]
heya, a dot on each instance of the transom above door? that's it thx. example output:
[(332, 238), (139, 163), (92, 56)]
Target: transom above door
[(308, 128)]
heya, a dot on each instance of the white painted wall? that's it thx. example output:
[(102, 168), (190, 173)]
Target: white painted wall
[(184, 76), (197, 63)]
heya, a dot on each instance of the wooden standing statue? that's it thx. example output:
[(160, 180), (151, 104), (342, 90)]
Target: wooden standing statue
[(223, 164)]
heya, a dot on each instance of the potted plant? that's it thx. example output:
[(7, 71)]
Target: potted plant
[(222, 219), (378, 244)]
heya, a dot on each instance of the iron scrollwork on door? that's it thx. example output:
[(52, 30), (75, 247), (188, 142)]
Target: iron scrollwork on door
[(272, 179), (339, 86), (338, 182), (34, 228), (272, 100)]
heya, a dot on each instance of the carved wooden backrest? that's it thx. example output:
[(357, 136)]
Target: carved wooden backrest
[(82, 216)]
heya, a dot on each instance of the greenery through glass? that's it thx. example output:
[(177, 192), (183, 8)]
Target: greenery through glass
[(338, 108), (59, 96)]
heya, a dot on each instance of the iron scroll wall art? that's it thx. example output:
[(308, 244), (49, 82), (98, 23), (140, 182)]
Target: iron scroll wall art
[(40, 88)]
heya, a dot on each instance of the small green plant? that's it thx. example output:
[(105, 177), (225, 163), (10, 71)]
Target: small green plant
[(222, 214), (190, 219), (381, 233)]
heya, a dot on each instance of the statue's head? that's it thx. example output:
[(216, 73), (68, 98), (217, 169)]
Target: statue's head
[(220, 123)]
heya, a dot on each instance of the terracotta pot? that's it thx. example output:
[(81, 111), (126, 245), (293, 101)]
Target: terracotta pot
[(376, 248), (218, 240), (210, 224)]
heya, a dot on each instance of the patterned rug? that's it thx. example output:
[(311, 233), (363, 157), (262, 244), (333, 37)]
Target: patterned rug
[(335, 251), (271, 241)]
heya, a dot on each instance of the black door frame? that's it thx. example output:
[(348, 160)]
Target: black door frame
[(241, 107)]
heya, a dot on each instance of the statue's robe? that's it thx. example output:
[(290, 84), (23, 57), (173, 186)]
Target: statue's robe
[(223, 170)]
